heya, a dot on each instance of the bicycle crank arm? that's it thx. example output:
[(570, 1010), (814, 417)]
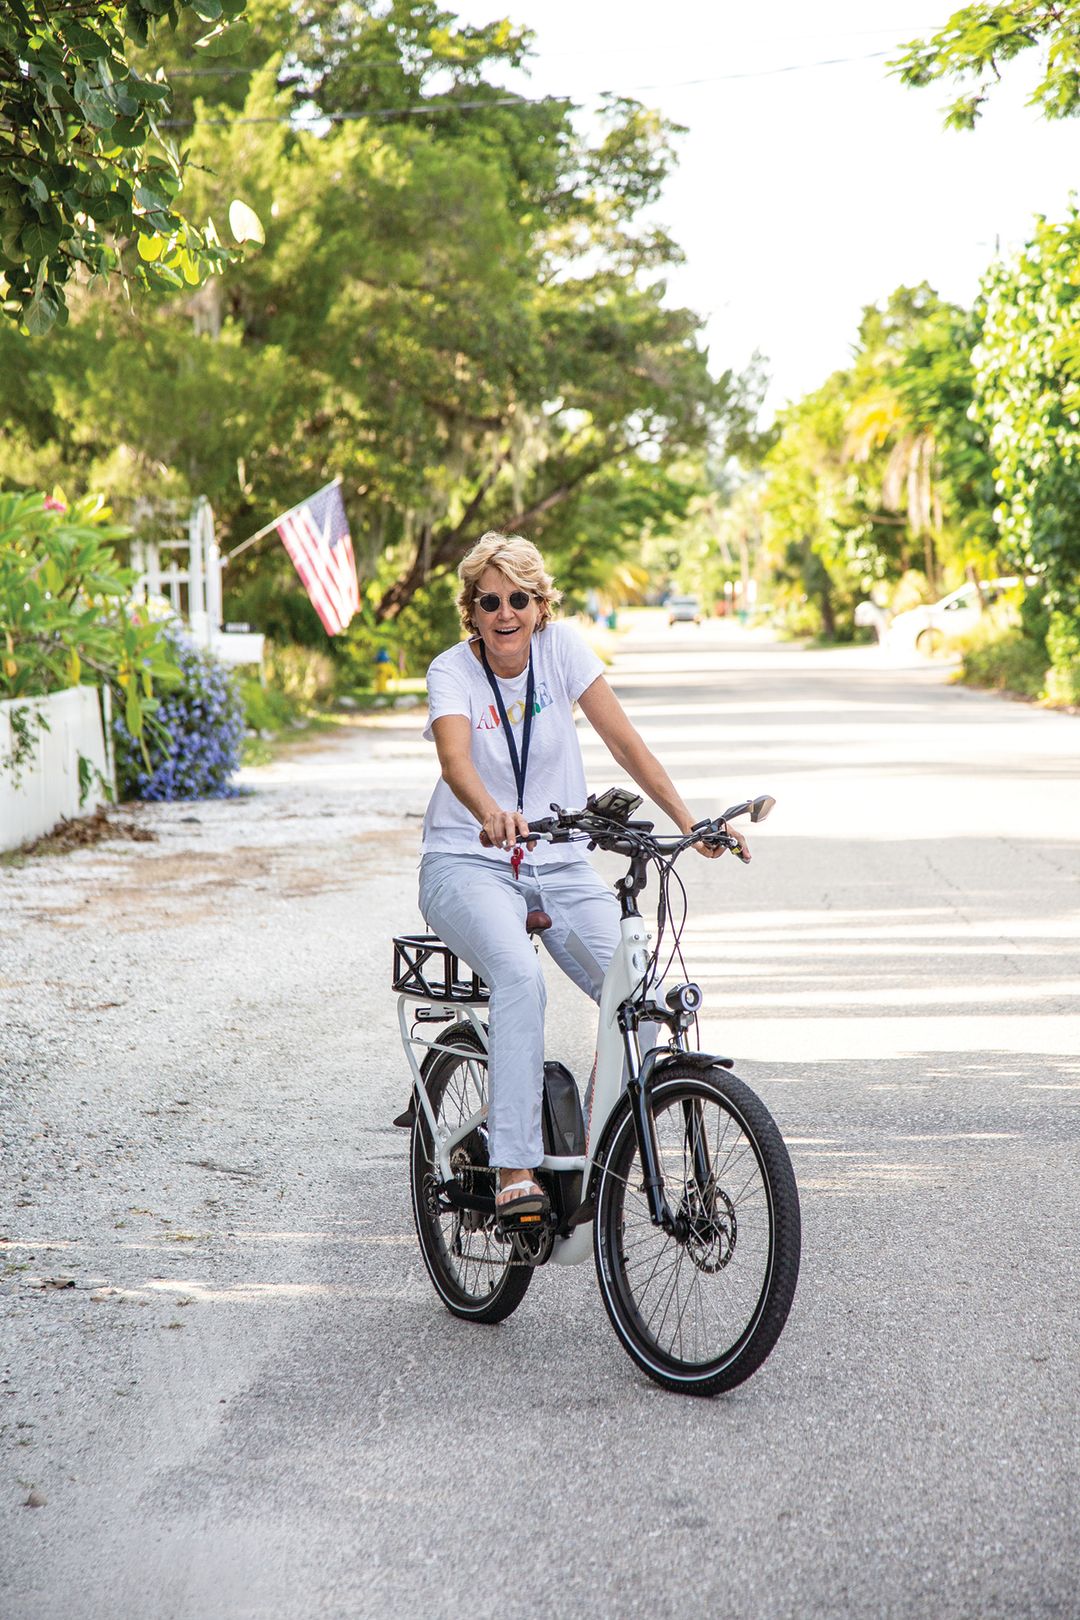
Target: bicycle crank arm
[(455, 1196)]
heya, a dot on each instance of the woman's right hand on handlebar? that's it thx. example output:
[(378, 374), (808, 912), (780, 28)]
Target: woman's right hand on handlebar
[(502, 829), (711, 850)]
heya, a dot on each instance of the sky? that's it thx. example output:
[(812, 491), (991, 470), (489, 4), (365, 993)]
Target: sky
[(802, 196)]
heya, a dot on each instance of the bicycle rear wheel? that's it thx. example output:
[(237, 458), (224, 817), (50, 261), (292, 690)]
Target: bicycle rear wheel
[(469, 1264), (701, 1308)]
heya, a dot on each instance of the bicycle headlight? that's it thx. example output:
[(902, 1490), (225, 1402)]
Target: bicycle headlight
[(685, 998)]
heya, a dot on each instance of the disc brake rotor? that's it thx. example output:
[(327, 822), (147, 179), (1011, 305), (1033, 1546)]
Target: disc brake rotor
[(712, 1228)]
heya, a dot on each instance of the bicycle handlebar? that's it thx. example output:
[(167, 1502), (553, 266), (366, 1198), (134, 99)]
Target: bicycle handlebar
[(638, 838)]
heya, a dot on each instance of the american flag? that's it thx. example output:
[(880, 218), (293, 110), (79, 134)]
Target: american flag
[(316, 536)]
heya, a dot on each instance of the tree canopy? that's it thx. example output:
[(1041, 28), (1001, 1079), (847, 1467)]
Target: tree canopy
[(978, 41), (1027, 393), (458, 306), (86, 162), (882, 472)]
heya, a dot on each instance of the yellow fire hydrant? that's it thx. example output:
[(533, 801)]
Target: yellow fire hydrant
[(383, 668)]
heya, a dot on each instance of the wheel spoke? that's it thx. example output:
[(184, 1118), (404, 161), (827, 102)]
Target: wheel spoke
[(459, 1245)]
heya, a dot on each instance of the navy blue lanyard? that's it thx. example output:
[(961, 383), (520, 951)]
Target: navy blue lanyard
[(519, 766)]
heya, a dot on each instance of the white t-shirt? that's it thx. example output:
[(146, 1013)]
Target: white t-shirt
[(564, 666)]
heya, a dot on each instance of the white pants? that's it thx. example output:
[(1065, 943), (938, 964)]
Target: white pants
[(478, 908)]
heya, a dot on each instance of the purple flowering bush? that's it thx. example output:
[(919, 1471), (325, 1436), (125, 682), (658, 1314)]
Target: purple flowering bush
[(195, 736)]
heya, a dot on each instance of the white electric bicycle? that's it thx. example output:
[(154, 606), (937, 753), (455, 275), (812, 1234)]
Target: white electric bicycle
[(681, 1185)]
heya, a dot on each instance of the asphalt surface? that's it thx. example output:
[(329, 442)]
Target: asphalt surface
[(249, 1402)]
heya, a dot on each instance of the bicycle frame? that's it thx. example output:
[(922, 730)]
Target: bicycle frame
[(621, 981), (618, 1050)]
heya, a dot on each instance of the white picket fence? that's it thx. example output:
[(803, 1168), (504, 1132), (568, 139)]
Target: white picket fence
[(67, 735)]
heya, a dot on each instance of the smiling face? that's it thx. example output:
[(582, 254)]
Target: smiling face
[(506, 632)]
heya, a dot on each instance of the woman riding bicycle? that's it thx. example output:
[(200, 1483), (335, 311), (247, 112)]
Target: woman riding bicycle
[(501, 715)]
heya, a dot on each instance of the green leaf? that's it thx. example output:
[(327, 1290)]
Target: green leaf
[(84, 40), (190, 269), (38, 240), (226, 39), (147, 90), (93, 105), (150, 248), (149, 199), (93, 183), (41, 313)]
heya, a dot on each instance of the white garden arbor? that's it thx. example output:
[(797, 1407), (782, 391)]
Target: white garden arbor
[(186, 572)]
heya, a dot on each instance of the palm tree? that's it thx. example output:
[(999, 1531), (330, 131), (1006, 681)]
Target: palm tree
[(909, 481)]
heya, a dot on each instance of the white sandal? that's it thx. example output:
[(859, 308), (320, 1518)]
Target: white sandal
[(519, 1199)]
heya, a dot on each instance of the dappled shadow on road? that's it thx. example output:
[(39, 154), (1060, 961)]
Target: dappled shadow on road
[(897, 912), (984, 1107)]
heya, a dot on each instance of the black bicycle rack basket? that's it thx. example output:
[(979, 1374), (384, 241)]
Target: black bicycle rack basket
[(426, 968)]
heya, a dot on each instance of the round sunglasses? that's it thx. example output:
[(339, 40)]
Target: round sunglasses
[(490, 603)]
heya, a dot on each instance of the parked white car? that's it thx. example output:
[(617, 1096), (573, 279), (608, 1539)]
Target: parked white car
[(927, 627), (684, 610)]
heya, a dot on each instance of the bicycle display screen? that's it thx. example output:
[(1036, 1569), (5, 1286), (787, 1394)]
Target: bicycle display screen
[(615, 804)]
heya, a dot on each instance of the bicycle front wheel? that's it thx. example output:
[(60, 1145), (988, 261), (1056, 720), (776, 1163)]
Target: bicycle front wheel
[(699, 1308), (472, 1267)]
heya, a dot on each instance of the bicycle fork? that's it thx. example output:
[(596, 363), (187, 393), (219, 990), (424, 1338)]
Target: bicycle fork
[(640, 1069), (652, 1183)]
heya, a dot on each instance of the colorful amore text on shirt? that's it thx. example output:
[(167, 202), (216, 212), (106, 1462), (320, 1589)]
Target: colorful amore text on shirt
[(489, 719)]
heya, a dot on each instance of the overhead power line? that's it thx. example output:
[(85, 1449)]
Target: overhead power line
[(425, 108), (420, 111)]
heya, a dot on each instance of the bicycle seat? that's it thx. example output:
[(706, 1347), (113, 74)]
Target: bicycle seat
[(536, 922)]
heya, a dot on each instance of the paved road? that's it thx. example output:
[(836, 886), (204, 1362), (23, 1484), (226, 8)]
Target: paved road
[(260, 1410)]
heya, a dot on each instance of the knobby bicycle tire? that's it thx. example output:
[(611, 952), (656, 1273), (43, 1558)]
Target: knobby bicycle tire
[(468, 1264), (699, 1315)]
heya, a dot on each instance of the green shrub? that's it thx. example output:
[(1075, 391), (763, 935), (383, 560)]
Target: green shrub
[(65, 606), (1004, 659), (427, 625), (1063, 646), (794, 614), (301, 674), (273, 600), (265, 708)]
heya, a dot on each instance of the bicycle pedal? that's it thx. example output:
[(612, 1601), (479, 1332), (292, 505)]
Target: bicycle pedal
[(529, 1225)]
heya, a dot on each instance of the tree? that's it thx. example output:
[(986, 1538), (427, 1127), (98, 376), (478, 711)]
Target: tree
[(458, 307), (1027, 396), (910, 423), (816, 537), (979, 40), (883, 471), (1027, 365), (85, 165)]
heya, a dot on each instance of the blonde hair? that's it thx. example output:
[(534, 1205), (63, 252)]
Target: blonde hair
[(523, 566)]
